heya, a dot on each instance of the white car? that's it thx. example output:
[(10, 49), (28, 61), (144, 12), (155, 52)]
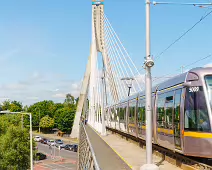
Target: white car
[(37, 138), (51, 142)]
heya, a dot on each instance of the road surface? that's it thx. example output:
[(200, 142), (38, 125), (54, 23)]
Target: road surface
[(56, 159)]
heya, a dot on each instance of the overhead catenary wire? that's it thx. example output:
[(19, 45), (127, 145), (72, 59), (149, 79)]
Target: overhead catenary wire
[(180, 37), (186, 66)]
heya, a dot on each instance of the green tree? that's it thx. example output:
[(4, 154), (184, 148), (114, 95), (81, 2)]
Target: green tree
[(14, 144), (15, 108), (41, 109), (25, 108), (47, 122), (17, 103), (6, 105), (69, 101), (64, 119)]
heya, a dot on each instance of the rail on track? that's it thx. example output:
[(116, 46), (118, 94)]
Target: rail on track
[(182, 161), (86, 156)]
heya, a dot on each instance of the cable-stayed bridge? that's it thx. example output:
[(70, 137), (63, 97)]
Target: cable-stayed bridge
[(114, 96), (111, 75)]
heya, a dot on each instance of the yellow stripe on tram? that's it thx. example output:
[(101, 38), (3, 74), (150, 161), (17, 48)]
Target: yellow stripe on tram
[(131, 125), (166, 131), (198, 135)]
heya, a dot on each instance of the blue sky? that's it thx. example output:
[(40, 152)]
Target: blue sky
[(44, 45)]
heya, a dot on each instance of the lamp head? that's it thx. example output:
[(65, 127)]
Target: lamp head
[(149, 63)]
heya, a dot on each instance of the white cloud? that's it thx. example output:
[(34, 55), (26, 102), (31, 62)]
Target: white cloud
[(34, 88), (15, 86), (59, 95), (8, 54), (33, 98), (55, 90), (4, 98)]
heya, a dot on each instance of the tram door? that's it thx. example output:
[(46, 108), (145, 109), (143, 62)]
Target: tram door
[(177, 135)]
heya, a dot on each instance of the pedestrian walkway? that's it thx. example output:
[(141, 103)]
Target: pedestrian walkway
[(134, 155), (106, 157)]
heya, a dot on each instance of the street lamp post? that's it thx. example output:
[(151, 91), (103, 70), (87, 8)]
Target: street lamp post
[(102, 109), (31, 150), (129, 85), (39, 120), (148, 64)]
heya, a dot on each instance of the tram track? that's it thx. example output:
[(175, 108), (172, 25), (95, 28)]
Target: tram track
[(177, 159)]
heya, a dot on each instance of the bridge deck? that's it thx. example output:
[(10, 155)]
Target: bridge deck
[(106, 157)]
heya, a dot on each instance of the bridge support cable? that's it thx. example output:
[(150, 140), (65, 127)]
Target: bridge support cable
[(111, 88), (98, 101), (116, 55), (118, 41), (113, 52), (117, 65), (121, 58), (121, 49), (116, 68), (116, 52)]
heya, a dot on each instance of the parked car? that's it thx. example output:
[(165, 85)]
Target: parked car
[(58, 143), (68, 147), (44, 140), (74, 148), (51, 142), (37, 138), (40, 156)]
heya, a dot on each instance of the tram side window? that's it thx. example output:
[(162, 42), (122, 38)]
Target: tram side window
[(113, 114), (177, 105), (169, 103), (132, 112), (122, 113), (118, 112), (141, 112), (196, 112), (160, 110)]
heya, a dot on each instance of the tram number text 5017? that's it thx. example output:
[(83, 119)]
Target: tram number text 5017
[(193, 89)]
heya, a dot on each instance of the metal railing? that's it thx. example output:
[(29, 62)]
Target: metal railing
[(87, 159)]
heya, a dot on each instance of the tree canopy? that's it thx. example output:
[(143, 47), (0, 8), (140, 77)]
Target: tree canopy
[(62, 113), (14, 143), (13, 106), (14, 139), (47, 122)]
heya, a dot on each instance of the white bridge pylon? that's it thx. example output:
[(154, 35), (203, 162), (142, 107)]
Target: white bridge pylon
[(103, 84)]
